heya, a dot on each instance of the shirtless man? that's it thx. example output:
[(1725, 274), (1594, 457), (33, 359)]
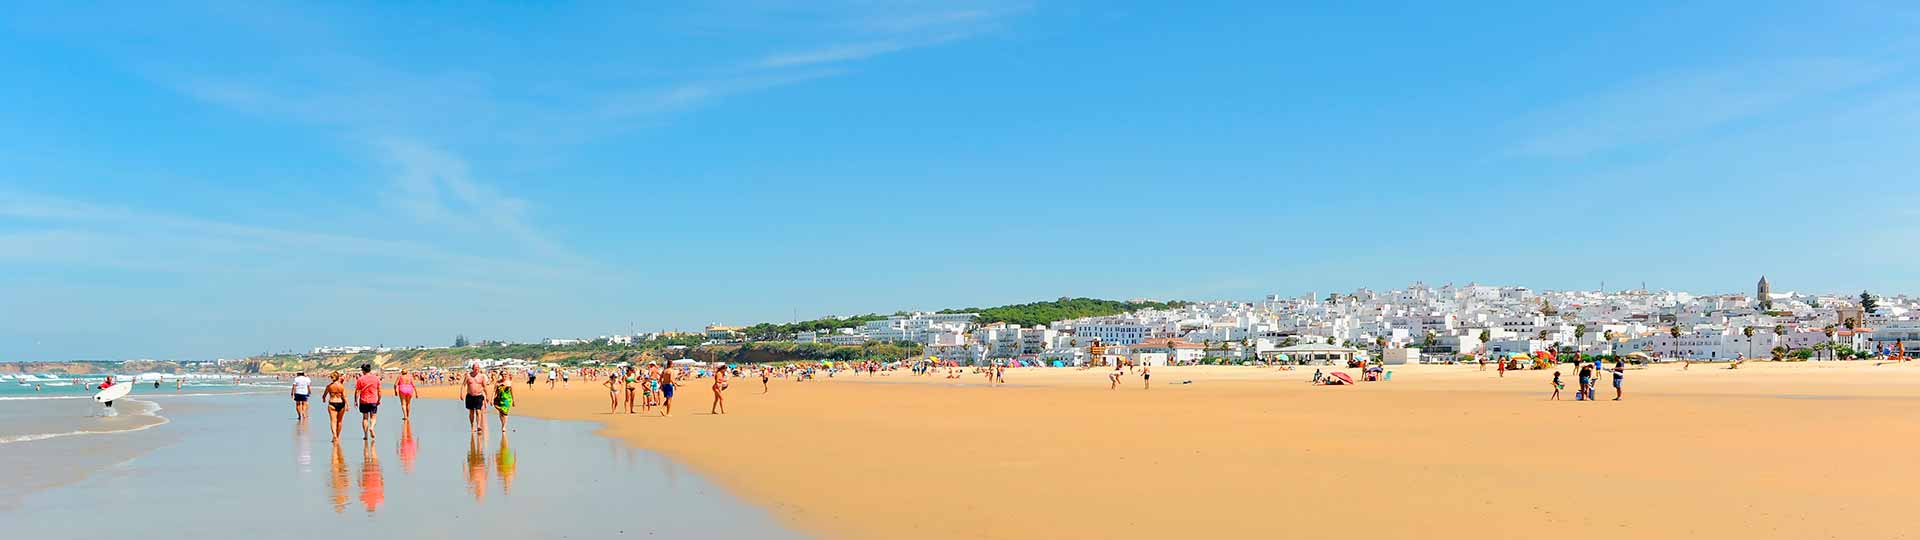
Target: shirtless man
[(476, 397), (666, 392)]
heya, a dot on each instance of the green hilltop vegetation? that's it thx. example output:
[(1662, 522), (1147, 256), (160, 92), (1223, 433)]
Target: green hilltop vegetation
[(1042, 313), (1029, 314)]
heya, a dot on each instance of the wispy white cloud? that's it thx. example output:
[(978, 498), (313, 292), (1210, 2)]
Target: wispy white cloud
[(835, 53), (621, 108), (1662, 108), (937, 19), (436, 186)]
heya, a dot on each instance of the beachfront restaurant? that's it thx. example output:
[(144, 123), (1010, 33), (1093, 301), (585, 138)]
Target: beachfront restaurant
[(1312, 354)]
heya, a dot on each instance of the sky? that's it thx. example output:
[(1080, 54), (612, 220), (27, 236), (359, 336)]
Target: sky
[(212, 180)]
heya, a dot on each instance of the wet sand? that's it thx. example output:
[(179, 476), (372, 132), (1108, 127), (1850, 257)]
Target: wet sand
[(1803, 450), (239, 466)]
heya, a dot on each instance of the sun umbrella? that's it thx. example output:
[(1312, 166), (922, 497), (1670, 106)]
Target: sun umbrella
[(1343, 376)]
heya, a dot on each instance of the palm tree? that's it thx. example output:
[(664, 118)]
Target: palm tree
[(1748, 331), (1675, 332), (1828, 330)]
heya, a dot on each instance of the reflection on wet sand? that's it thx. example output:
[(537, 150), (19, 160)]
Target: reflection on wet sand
[(373, 485), (476, 468), (503, 460), (302, 447), (409, 447), (338, 479)]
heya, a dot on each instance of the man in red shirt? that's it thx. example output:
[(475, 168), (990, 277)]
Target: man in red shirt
[(366, 390)]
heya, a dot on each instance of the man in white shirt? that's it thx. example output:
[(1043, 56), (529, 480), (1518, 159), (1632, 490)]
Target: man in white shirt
[(301, 387)]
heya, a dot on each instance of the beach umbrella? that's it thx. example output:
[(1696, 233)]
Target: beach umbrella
[(1342, 375), (1637, 354)]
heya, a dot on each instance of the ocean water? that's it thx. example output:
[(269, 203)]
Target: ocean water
[(237, 464)]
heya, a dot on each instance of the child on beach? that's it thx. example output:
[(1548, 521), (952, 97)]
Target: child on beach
[(1557, 385), (613, 393)]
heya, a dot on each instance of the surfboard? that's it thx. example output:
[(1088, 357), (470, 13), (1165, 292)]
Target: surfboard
[(114, 392)]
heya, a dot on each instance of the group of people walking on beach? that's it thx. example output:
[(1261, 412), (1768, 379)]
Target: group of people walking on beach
[(367, 391)]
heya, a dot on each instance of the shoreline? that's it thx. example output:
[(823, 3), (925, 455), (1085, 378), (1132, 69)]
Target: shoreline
[(1439, 448)]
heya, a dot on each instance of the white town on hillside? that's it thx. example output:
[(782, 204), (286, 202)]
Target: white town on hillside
[(1418, 323)]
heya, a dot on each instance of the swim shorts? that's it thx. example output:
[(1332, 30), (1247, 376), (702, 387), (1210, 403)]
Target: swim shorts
[(474, 402), (300, 397), (369, 408), (666, 390)]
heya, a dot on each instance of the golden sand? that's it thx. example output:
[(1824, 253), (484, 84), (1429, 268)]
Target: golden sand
[(1804, 450)]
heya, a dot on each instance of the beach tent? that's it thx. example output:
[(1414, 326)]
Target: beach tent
[(685, 362)]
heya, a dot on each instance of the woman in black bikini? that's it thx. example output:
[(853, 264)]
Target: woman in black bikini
[(336, 398)]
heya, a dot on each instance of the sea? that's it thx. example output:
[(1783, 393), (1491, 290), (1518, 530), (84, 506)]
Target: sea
[(226, 456)]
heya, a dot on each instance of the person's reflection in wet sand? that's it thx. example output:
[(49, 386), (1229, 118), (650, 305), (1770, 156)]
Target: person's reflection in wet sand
[(302, 447), (373, 485), (503, 460), (338, 481), (476, 468), (409, 447)]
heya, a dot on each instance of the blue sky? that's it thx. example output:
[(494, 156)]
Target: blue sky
[(208, 180)]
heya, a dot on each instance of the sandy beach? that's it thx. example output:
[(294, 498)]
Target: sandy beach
[(1772, 450)]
